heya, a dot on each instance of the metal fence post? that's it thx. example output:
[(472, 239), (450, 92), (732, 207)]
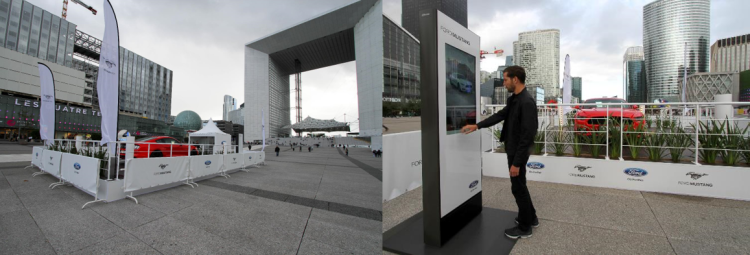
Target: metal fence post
[(622, 128), (606, 136), (697, 126)]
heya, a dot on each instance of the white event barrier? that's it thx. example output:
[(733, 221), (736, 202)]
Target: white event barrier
[(51, 162), (402, 163), (684, 179), (232, 161), (145, 173), (83, 172), (205, 165), (253, 157), (36, 156)]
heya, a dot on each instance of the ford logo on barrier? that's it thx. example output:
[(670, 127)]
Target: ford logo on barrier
[(535, 165), (473, 184), (37, 154), (637, 172), (208, 162), (77, 166), (251, 157)]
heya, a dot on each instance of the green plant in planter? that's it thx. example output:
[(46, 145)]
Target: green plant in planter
[(577, 146), (539, 139), (732, 142), (679, 140), (655, 143), (595, 140), (614, 137), (746, 153), (709, 136), (649, 121), (560, 139), (634, 139)]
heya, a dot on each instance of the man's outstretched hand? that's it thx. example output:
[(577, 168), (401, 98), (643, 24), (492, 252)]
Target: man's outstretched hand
[(468, 129)]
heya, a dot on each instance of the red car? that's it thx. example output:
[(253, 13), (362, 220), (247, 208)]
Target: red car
[(590, 117), (160, 146)]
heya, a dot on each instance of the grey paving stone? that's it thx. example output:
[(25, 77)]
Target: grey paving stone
[(697, 200), (554, 237), (170, 236), (308, 202), (68, 228), (265, 231), (163, 203), (589, 209), (19, 235), (401, 208), (356, 211), (126, 214), (9, 202), (120, 244), (346, 232), (309, 246), (694, 247), (703, 223)]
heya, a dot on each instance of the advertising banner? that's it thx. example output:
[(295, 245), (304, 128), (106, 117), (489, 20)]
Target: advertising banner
[(109, 73), (685, 179), (47, 111), (80, 171), (233, 161), (36, 156), (205, 165), (402, 163), (145, 173), (51, 162)]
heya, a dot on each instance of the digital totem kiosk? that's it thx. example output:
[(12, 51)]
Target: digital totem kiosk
[(451, 161)]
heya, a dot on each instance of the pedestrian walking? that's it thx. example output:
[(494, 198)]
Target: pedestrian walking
[(347, 151), (519, 128), (277, 150)]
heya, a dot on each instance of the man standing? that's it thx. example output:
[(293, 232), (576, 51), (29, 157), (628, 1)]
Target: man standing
[(518, 134)]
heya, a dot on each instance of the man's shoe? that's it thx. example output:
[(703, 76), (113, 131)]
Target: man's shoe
[(515, 233), (534, 223)]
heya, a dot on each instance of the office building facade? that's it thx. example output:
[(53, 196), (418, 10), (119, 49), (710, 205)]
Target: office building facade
[(455, 9), (576, 90), (538, 52), (400, 63), (509, 60), (634, 75), (702, 87), (674, 45), (236, 116), (731, 54), (30, 30)]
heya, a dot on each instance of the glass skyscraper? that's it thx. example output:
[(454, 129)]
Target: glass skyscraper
[(455, 9), (538, 52), (671, 30), (634, 76), (576, 89), (30, 30)]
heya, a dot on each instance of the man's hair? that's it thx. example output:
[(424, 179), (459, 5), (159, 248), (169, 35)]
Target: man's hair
[(516, 71)]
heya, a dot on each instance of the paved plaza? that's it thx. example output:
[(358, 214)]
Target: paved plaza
[(319, 202), (586, 220)]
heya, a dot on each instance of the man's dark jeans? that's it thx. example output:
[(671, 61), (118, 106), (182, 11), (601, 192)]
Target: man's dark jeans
[(526, 211)]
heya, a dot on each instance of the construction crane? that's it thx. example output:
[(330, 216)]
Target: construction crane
[(65, 7), (497, 52)]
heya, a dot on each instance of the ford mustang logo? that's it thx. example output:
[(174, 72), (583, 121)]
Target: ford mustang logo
[(208, 162), (110, 64), (162, 166), (535, 165), (473, 184), (50, 158), (581, 168), (48, 96), (77, 166), (695, 175), (637, 172)]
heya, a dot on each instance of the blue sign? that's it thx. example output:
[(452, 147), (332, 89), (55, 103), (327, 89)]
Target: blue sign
[(251, 157), (77, 166), (473, 184), (535, 165), (208, 162), (637, 172)]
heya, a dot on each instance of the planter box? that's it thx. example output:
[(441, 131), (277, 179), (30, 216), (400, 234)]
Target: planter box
[(685, 179)]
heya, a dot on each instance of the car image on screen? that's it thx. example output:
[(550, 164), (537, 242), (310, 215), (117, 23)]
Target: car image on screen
[(460, 93)]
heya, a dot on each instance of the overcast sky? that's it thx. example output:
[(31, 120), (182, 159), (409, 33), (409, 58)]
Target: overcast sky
[(202, 41)]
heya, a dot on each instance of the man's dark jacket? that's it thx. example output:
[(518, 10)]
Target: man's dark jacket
[(519, 128)]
